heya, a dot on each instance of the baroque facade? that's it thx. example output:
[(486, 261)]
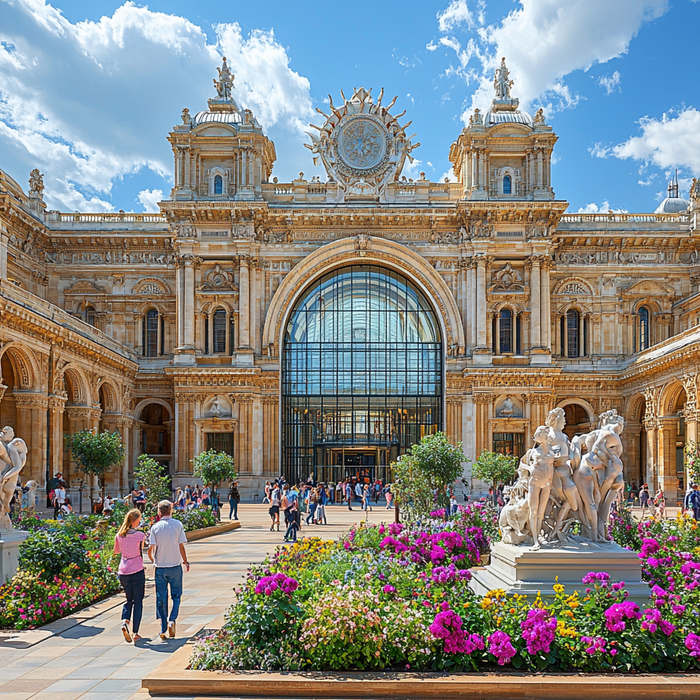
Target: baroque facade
[(323, 327)]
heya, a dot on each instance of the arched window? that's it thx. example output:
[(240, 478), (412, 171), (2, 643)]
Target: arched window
[(505, 331), (573, 338), (644, 327), (219, 330), (89, 315), (150, 333), (218, 185), (507, 184)]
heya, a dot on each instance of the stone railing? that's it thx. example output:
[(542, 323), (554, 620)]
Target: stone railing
[(624, 218), (108, 218), (11, 292)]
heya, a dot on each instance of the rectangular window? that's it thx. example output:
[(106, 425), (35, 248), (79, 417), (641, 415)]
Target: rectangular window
[(220, 332), (152, 334), (221, 442), (232, 336), (206, 335)]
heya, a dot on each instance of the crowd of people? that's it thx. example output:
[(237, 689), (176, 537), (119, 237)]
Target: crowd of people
[(308, 500)]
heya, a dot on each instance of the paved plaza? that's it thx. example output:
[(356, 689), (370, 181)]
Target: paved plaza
[(91, 660)]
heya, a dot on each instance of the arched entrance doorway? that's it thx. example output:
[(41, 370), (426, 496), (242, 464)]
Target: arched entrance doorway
[(362, 375)]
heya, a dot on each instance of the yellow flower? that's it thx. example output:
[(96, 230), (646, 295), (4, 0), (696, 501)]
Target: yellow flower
[(558, 588)]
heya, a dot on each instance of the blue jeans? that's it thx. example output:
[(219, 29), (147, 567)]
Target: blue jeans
[(312, 512), (135, 588), (168, 575), (233, 505)]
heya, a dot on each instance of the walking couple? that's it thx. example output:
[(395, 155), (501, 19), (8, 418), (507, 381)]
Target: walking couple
[(166, 549)]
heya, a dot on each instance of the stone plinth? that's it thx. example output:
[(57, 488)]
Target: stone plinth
[(10, 540), (526, 571)]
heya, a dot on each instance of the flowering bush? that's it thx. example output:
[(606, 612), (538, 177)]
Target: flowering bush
[(396, 597)]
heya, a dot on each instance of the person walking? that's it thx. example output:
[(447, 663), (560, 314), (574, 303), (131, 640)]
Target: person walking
[(359, 492), (167, 551), (694, 501), (234, 498), (323, 499), (660, 503), (348, 494), (644, 498), (129, 543), (268, 491), (367, 501), (387, 495), (291, 512), (275, 507), (312, 502), (59, 499)]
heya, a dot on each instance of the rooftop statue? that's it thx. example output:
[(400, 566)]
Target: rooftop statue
[(224, 84), (501, 82), (36, 183)]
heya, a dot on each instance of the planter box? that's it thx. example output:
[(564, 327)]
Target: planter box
[(219, 529), (172, 678)]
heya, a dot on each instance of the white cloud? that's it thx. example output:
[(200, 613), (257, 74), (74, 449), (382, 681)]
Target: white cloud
[(672, 141), (456, 13), (604, 208), (91, 102), (543, 41), (149, 200), (610, 82), (599, 150)]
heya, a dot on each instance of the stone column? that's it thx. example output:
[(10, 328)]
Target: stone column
[(189, 304), (649, 473), (244, 304), (271, 464), (184, 416), (667, 476), (471, 305), (535, 302), (244, 439), (31, 427), (545, 300), (257, 437), (481, 264), (56, 407)]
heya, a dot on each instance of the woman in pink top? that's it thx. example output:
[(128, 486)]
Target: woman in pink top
[(129, 543)]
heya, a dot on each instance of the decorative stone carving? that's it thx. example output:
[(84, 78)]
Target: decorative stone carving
[(566, 482), (224, 84), (507, 279), (36, 184), (218, 280), (13, 457), (362, 146)]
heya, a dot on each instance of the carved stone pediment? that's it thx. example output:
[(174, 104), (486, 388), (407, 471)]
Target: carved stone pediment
[(507, 279), (218, 280), (647, 287), (151, 286), (83, 287)]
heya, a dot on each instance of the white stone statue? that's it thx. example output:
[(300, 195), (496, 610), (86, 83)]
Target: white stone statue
[(32, 487), (501, 81), (224, 84), (216, 410), (563, 484), (13, 457)]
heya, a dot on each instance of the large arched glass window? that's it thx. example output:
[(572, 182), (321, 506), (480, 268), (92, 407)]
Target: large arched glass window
[(507, 184), (150, 333), (219, 330), (361, 375), (644, 327), (218, 184), (573, 333)]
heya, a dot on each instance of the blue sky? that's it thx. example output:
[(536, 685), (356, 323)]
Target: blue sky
[(89, 90)]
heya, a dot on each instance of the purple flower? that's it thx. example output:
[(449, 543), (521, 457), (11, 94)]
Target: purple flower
[(388, 589), (599, 578), (500, 647), (617, 613), (595, 645), (447, 625), (692, 644), (539, 629)]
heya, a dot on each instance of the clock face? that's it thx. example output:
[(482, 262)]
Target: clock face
[(362, 143)]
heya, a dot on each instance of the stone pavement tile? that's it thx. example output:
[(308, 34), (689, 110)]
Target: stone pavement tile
[(55, 696), (21, 685), (26, 663), (91, 671), (15, 696), (117, 685), (107, 696), (71, 686), (9, 674), (48, 674)]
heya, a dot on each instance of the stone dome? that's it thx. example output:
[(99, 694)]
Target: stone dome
[(220, 117), (673, 203), (494, 117)]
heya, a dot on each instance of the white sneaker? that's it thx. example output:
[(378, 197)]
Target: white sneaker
[(171, 628), (125, 631)]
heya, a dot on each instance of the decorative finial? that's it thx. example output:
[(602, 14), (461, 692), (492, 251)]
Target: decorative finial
[(186, 118), (36, 184), (224, 84), (501, 81)]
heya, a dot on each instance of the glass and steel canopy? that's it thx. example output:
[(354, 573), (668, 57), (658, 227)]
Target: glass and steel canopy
[(362, 374)]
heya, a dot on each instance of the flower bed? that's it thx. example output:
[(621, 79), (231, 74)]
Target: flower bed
[(396, 598)]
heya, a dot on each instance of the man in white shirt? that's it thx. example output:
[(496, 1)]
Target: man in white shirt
[(167, 551), (59, 499)]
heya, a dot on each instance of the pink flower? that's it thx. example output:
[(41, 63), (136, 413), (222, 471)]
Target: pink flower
[(501, 647)]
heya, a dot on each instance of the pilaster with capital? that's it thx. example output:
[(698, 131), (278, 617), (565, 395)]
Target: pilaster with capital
[(31, 413), (533, 265)]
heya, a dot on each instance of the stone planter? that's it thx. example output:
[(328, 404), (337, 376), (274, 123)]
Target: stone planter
[(220, 528)]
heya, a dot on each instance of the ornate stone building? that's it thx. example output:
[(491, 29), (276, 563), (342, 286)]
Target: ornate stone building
[(323, 327)]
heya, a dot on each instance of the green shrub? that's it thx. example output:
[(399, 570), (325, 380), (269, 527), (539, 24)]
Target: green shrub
[(47, 554)]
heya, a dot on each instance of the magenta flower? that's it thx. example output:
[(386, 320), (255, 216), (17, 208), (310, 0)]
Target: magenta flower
[(539, 629), (501, 647)]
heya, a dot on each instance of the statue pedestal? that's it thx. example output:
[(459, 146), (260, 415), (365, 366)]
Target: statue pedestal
[(520, 569), (10, 541)]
